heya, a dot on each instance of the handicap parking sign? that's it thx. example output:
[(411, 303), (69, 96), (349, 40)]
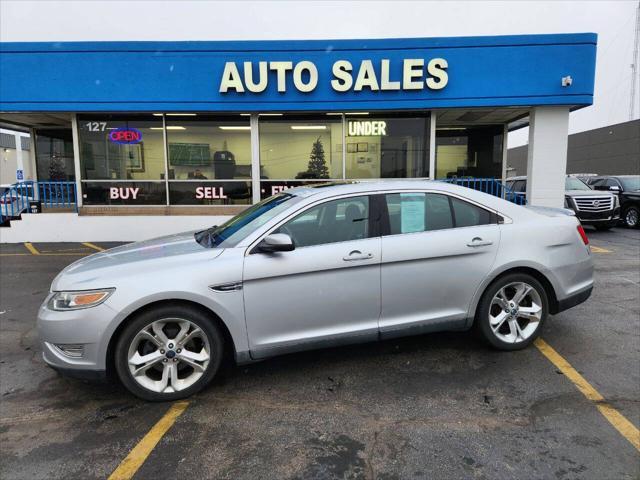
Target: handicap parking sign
[(19, 174)]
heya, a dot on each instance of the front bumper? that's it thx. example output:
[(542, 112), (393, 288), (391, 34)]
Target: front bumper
[(598, 217), (84, 330)]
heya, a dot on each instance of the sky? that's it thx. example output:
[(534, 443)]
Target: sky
[(95, 20)]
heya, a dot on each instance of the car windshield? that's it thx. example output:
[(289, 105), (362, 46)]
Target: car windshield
[(573, 183), (230, 233), (631, 184)]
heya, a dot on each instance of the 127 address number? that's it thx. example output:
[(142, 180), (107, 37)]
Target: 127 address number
[(96, 126)]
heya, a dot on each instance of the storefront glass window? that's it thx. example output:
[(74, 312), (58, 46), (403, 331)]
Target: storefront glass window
[(118, 147), (205, 159), (203, 149), (122, 159), (300, 147), (208, 148), (469, 152), (54, 155), (387, 146)]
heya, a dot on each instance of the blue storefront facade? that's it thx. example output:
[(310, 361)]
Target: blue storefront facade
[(220, 125)]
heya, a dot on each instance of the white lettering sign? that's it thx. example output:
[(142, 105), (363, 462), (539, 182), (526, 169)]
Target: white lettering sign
[(210, 193), (277, 189), (254, 77), (116, 193), (366, 128)]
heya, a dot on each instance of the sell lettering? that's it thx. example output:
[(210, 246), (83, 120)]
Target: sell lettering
[(210, 193)]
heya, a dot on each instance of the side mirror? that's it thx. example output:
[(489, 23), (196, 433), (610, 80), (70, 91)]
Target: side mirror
[(614, 188), (276, 242)]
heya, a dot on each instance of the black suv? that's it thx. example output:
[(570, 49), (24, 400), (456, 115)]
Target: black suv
[(627, 187), (598, 209)]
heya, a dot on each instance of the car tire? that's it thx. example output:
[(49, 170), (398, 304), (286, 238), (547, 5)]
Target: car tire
[(174, 369), (494, 318), (631, 216)]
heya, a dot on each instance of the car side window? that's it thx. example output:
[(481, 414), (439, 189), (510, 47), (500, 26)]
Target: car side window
[(418, 212), (468, 215), (330, 222)]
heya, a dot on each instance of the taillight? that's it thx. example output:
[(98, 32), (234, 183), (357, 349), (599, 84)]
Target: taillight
[(583, 235)]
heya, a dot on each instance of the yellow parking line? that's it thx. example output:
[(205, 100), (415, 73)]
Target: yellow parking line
[(130, 465), (31, 248), (95, 247), (620, 423), (595, 249)]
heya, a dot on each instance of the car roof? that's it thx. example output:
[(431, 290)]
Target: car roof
[(328, 190), (524, 177), (332, 189), (615, 176)]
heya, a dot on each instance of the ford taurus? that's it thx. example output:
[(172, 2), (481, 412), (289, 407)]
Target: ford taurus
[(314, 267)]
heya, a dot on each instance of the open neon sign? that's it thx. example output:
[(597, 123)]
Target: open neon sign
[(125, 136)]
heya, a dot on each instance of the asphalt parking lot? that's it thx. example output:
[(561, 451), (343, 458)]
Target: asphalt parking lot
[(435, 406)]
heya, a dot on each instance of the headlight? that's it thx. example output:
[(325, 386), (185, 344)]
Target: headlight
[(62, 301), (616, 201)]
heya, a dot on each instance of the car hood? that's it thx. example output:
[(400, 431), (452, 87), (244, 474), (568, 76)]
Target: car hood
[(130, 259), (587, 193)]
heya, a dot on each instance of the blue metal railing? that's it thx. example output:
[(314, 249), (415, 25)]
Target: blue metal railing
[(15, 199), (492, 186), (58, 194)]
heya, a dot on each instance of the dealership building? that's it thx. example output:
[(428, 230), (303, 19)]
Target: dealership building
[(157, 137)]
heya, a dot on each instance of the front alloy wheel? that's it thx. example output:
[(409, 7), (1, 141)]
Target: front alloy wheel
[(168, 353), (512, 311), (632, 217)]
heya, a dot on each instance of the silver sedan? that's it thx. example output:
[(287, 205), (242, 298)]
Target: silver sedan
[(311, 268)]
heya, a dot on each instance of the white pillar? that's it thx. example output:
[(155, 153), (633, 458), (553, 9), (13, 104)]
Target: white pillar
[(547, 156), (32, 155), (76, 158), (255, 159), (19, 160), (505, 151), (432, 146)]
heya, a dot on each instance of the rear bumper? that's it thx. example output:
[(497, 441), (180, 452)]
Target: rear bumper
[(573, 300)]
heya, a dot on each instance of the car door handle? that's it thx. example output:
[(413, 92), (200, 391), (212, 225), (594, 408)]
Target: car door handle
[(357, 255), (478, 242)]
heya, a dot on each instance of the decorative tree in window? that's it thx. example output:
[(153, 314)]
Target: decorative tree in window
[(317, 167), (56, 168)]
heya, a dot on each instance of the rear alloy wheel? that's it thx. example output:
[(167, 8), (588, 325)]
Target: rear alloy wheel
[(512, 311), (631, 217), (168, 353)]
